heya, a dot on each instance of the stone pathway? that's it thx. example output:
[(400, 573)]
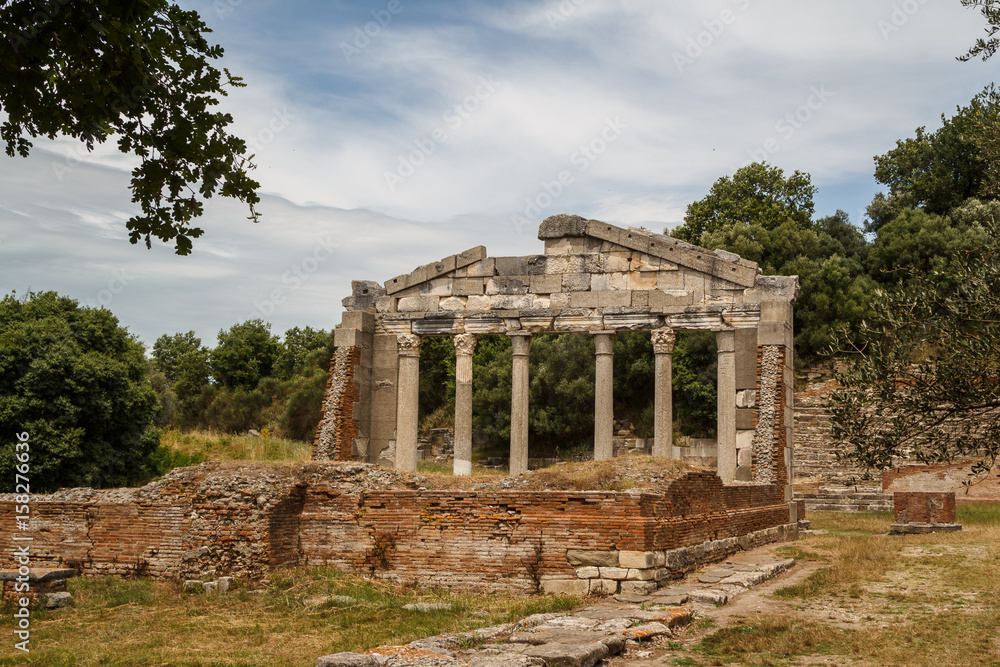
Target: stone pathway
[(582, 638)]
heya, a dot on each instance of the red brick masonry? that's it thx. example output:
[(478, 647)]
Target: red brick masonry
[(918, 507), (247, 520)]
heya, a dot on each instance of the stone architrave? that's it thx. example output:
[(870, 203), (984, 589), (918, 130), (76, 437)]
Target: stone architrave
[(663, 429), (465, 347), (407, 405), (519, 389), (726, 425), (604, 406)]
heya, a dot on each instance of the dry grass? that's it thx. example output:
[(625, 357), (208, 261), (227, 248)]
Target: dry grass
[(621, 474), (213, 446), (119, 623)]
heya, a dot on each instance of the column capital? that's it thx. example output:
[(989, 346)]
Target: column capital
[(465, 343), (604, 341), (521, 342), (408, 345), (663, 341), (725, 341)]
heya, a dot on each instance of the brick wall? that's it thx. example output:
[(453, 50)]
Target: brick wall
[(247, 520), (918, 507)]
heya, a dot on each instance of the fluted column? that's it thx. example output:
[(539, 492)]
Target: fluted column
[(465, 347), (726, 424), (663, 409), (408, 401), (519, 388), (604, 404)]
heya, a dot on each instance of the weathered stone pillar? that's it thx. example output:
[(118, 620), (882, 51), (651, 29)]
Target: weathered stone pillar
[(726, 425), (604, 404), (408, 402), (465, 347), (519, 403), (663, 410)]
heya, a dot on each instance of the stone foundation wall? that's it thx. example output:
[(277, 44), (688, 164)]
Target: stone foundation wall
[(244, 521)]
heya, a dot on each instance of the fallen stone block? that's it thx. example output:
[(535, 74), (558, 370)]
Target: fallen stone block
[(570, 655), (57, 600), (427, 606), (347, 660)]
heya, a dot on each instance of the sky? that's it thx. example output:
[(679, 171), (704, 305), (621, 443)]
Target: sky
[(391, 133)]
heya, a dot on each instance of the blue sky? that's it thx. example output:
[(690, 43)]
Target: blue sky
[(391, 133)]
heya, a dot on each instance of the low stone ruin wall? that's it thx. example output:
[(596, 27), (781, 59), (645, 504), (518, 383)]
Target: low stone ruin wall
[(244, 521)]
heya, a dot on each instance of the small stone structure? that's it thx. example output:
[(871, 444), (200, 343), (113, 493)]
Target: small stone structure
[(923, 512), (596, 279)]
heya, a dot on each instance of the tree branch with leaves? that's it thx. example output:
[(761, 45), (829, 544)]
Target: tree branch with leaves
[(139, 72)]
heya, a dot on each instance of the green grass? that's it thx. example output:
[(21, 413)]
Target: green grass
[(118, 622)]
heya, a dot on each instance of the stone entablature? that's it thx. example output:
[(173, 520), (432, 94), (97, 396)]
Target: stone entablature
[(593, 278)]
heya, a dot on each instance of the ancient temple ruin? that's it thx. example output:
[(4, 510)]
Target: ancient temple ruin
[(593, 278)]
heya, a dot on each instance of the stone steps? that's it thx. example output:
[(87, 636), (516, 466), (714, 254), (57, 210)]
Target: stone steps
[(847, 499)]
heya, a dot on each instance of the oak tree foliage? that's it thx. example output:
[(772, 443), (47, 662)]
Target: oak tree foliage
[(924, 380), (139, 72)]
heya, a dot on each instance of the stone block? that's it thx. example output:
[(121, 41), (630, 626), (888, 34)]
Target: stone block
[(614, 573), (418, 304), (604, 299), (772, 333), (507, 285), (605, 232), (744, 419), (438, 326), (545, 284), (617, 262), (511, 266), (559, 301), (347, 660), (744, 474), (485, 267), (565, 264), (641, 261), (225, 583), (57, 600), (636, 559), (603, 587), (478, 304), (566, 587), (588, 572), (468, 286), (642, 280), (385, 304), (603, 282), (576, 282), (670, 280), (570, 655), (349, 338), (358, 320), (640, 299), (562, 225), (511, 302), (578, 557), (661, 301), (641, 574), (470, 256), (452, 304), (483, 324), (638, 587)]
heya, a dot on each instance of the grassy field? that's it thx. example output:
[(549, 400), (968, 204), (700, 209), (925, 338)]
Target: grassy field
[(873, 600), (193, 447), (141, 622)]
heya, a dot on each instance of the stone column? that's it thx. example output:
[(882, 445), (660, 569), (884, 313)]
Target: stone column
[(465, 347), (519, 403), (726, 425), (663, 415), (604, 405), (408, 401)]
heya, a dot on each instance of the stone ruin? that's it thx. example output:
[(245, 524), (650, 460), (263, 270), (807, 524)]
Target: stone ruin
[(594, 278), (346, 511)]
